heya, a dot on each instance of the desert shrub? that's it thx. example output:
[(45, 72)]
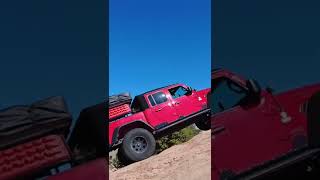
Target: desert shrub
[(177, 137), (115, 162)]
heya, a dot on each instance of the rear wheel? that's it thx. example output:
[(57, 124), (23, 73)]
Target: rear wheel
[(123, 160), (138, 144)]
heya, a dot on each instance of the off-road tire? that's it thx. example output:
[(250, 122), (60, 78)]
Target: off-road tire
[(137, 144), (203, 125), (122, 159)]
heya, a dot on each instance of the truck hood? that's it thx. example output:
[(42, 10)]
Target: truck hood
[(304, 92), (203, 92)]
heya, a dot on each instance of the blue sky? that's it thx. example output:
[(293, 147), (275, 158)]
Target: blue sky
[(156, 43), (52, 48), (275, 42)]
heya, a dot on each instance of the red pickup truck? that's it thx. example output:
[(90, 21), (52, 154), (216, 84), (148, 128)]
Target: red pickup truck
[(257, 133), (134, 126)]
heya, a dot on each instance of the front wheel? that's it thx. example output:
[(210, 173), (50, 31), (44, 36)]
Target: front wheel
[(204, 125), (138, 144)]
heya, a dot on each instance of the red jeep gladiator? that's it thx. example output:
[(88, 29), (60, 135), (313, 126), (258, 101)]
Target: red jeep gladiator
[(256, 133), (33, 142), (134, 126)]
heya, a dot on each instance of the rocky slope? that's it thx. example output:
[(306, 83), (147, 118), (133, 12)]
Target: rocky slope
[(187, 161)]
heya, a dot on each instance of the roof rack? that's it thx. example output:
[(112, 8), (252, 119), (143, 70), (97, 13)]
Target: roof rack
[(158, 89)]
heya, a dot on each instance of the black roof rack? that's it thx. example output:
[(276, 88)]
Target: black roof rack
[(158, 89), (142, 101)]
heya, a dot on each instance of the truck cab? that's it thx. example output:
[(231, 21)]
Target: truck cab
[(253, 128), (169, 104), (156, 113)]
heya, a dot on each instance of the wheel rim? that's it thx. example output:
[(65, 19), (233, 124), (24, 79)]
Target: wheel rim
[(139, 144)]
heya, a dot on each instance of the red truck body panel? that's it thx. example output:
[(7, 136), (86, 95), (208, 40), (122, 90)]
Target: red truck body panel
[(124, 121), (161, 114), (248, 136)]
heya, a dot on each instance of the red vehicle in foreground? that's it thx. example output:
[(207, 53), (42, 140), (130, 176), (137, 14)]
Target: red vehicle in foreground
[(134, 126), (33, 142), (256, 133)]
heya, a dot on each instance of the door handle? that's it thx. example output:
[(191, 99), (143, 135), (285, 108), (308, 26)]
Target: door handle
[(177, 102), (159, 109), (218, 129)]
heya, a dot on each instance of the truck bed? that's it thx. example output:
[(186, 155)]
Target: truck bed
[(119, 111)]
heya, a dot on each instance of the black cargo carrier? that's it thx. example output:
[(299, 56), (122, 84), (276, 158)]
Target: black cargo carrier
[(26, 122), (120, 99)]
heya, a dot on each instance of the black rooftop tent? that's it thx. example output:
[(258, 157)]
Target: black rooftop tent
[(117, 100), (25, 122)]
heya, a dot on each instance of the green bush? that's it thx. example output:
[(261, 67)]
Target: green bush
[(176, 138), (115, 162)]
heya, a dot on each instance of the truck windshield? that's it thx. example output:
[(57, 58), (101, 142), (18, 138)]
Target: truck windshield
[(225, 95)]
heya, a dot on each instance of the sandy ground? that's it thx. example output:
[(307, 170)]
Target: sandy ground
[(187, 161)]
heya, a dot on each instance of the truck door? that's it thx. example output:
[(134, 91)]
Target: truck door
[(244, 134), (183, 102), (161, 111)]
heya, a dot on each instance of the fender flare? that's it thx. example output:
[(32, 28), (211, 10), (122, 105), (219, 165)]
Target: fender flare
[(115, 135)]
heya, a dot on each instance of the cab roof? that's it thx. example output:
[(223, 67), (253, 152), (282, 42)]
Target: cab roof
[(164, 87), (219, 72), (141, 101)]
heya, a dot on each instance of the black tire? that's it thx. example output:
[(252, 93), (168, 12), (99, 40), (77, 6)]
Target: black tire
[(203, 125), (123, 160), (138, 144)]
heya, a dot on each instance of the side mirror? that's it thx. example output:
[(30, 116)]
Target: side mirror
[(254, 89), (270, 90), (189, 91)]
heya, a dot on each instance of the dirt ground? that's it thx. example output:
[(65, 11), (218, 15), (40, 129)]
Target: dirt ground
[(187, 161)]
